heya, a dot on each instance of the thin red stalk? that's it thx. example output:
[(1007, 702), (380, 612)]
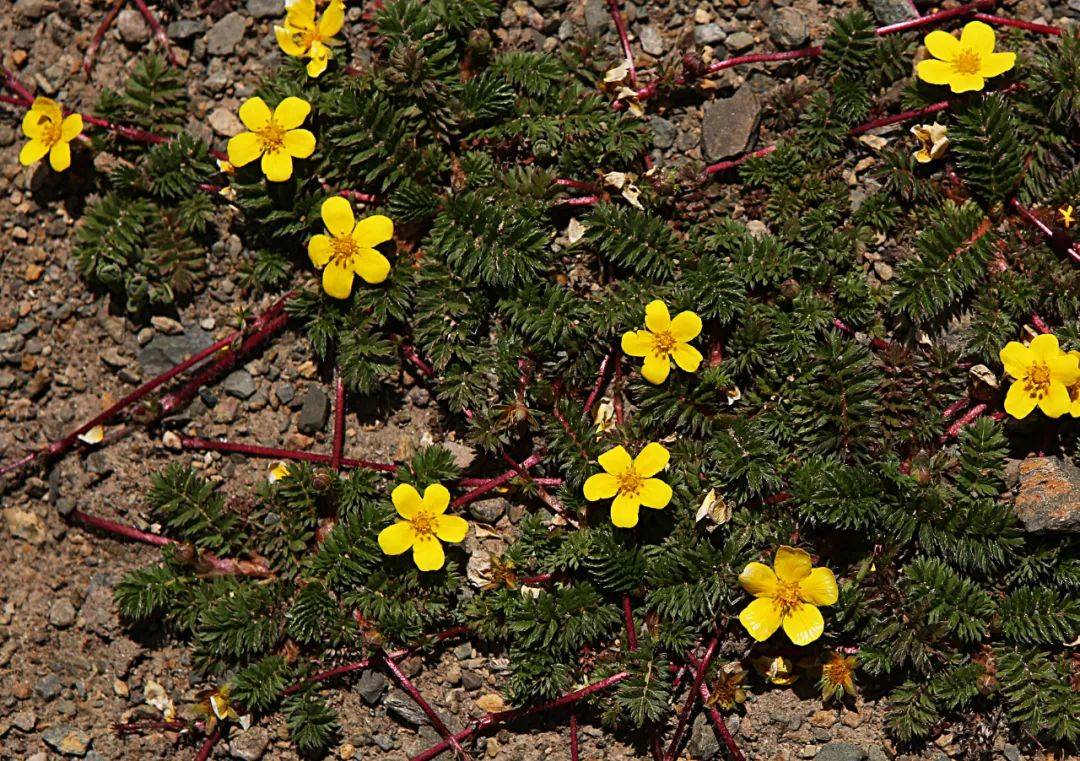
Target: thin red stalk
[(546, 496), (718, 720), (430, 712), (573, 737), (504, 717), (1026, 25), (628, 619), (497, 481), (599, 385), (722, 166), (933, 18), (684, 715), (119, 529), (208, 746), (131, 727), (580, 201), (16, 86), (99, 35), (966, 419), (1040, 324), (356, 195), (914, 113), (339, 421), (411, 355), (539, 481), (254, 450), (575, 184), (159, 33), (620, 27), (878, 343), (954, 409), (1058, 239)]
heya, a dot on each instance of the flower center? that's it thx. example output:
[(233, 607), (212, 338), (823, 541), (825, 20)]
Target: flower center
[(273, 137), (343, 249), (836, 671), (630, 483), (968, 62), (787, 597), (424, 524), (663, 343), (1037, 382)]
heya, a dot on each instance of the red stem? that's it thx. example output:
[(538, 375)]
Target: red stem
[(1040, 324), (580, 201), (502, 717), (208, 746), (99, 35), (718, 720), (914, 113), (339, 421), (620, 27), (628, 618), (356, 195), (966, 419), (254, 450), (1057, 239), (119, 529), (684, 715), (159, 33), (953, 409), (539, 481), (430, 712), (598, 387), (575, 184), (1019, 24), (573, 737), (933, 18), (723, 166), (497, 481), (412, 355), (17, 87)]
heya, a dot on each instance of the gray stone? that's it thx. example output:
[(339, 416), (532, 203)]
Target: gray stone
[(132, 27), (313, 412), (663, 132), (739, 42), (95, 614), (32, 9), (239, 383), (225, 35), (24, 720), (403, 709), (703, 743), (789, 28), (729, 124), (249, 744), (62, 613), (1048, 498), (163, 352), (371, 686), (67, 739), (265, 8), (652, 42), (878, 753), (892, 11), (597, 16), (488, 510), (48, 687), (1074, 6), (708, 34), (225, 122), (284, 392), (185, 29), (385, 742), (840, 751), (470, 680), (1011, 752)]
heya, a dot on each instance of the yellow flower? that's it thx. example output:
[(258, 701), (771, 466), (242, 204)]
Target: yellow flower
[(1042, 373), (775, 669), (965, 64), (349, 248), (423, 526), (1066, 214), (729, 689), (274, 137), (663, 340), (1074, 390), (933, 142), (787, 597), (301, 36), (838, 676), (50, 132), (277, 471), (630, 482)]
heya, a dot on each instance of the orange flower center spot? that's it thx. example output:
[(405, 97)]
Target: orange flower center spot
[(273, 137), (630, 483), (424, 524), (663, 344), (968, 62), (343, 249), (836, 672), (1037, 382), (787, 597)]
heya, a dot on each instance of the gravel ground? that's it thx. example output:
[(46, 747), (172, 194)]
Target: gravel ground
[(68, 668)]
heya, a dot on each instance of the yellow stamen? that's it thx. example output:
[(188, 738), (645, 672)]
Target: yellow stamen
[(273, 137), (787, 597), (424, 523), (968, 62), (630, 482), (663, 343), (1037, 382), (343, 249)]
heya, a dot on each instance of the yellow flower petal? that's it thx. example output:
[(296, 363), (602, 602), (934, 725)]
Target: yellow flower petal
[(791, 564), (637, 343), (686, 357), (761, 618), (320, 59), (935, 72), (371, 231), (318, 250), (655, 369), (337, 215), (289, 42), (995, 64), (601, 486), (978, 37), (244, 148), (1018, 402), (657, 317), (255, 114), (819, 588), (333, 19), (451, 528), (337, 280), (616, 460), (1044, 347), (35, 124), (685, 327), (1064, 368), (60, 156), (436, 499), (428, 554), (651, 460), (277, 166), (397, 538), (372, 266), (654, 493), (1017, 358), (299, 143), (291, 112), (758, 579), (1056, 402), (32, 152), (48, 109), (406, 500), (624, 511), (942, 45), (803, 624), (959, 83), (71, 127)]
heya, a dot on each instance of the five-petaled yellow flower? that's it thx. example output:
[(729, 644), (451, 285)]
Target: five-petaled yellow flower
[(275, 137), (1042, 374), (424, 524), (788, 597), (1066, 214), (630, 482), (349, 248), (665, 339), (302, 36), (963, 64), (50, 132)]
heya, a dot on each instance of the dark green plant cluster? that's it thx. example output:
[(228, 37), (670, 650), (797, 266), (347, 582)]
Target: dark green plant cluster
[(810, 434)]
